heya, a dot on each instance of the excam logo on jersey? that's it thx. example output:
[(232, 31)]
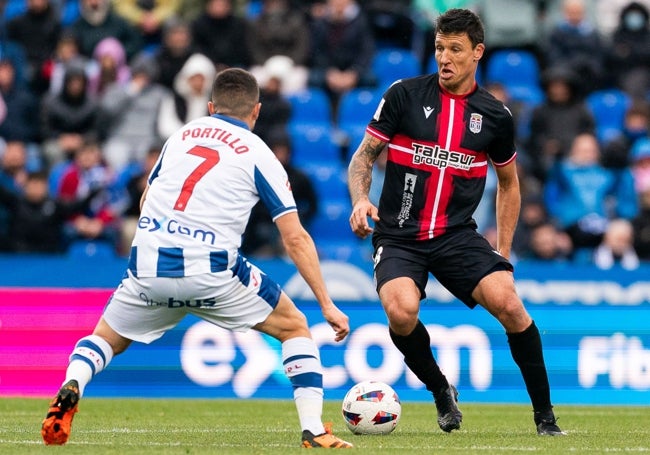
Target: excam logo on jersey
[(441, 158), (174, 227)]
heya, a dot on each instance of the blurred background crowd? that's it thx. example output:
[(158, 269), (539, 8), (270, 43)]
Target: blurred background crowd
[(90, 90)]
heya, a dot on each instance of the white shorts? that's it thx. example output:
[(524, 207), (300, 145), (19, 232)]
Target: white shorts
[(143, 309)]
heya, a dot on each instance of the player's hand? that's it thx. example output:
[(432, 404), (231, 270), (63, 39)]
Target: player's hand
[(359, 218), (338, 320)]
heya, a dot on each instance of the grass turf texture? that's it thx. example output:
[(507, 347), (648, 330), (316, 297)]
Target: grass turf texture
[(135, 426)]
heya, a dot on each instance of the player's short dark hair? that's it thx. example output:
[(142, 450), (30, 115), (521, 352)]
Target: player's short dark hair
[(458, 21), (235, 92)]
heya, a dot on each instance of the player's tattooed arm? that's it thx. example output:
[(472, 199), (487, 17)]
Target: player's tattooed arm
[(360, 168)]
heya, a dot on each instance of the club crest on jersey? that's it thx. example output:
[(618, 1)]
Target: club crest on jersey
[(475, 122)]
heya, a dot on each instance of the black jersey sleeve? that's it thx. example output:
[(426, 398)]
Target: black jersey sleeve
[(386, 119), (502, 149)]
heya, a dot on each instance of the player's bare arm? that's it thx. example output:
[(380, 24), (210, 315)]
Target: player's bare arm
[(302, 251), (508, 203), (359, 179)]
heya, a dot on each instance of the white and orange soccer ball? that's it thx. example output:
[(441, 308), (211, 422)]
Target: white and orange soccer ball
[(371, 407)]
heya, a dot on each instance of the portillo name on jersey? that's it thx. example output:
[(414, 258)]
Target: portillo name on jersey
[(441, 158)]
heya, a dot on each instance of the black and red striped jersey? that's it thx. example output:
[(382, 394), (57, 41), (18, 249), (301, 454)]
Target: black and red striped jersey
[(439, 148)]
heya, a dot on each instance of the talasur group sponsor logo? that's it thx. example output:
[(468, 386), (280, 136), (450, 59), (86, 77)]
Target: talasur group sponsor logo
[(441, 158)]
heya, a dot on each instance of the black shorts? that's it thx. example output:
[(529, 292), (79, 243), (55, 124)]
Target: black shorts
[(458, 260)]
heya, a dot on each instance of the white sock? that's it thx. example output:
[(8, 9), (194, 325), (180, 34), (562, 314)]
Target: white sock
[(90, 356), (302, 366)]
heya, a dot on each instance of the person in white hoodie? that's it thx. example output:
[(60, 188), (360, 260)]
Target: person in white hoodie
[(192, 87)]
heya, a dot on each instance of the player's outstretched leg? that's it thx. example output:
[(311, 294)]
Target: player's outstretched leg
[(449, 416), (58, 422)]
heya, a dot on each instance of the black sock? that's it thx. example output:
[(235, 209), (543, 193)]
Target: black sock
[(526, 349), (416, 348)]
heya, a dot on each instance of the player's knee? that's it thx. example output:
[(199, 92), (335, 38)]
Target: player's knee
[(401, 320)]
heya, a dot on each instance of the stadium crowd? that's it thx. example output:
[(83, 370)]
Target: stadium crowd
[(90, 89)]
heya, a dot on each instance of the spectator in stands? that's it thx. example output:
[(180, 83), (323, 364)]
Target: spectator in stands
[(533, 213), (628, 61), (276, 109), (89, 174), (20, 123), (97, 21), (556, 121), (108, 66), (65, 53), (128, 115), (21, 120), (37, 30), (148, 17), (175, 49), (262, 238), (547, 243), (609, 12), (342, 49), (13, 52), (37, 219), (13, 175), (581, 195), (641, 224), (134, 188), (279, 30), (13, 160), (574, 42), (221, 35), (641, 164), (636, 125), (617, 247), (68, 116), (193, 85)]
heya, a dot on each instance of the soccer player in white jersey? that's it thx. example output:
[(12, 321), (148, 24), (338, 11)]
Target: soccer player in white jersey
[(184, 259)]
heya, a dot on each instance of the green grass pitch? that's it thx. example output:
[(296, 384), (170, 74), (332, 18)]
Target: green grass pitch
[(161, 427)]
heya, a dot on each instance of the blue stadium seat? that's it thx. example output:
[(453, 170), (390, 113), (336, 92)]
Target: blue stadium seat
[(331, 222), (313, 142), (390, 65), (69, 12), (513, 67), (357, 106), (14, 8), (608, 108), (311, 106), (329, 179)]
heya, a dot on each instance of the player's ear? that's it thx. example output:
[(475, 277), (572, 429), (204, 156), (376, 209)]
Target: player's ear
[(478, 51), (211, 108), (256, 111)]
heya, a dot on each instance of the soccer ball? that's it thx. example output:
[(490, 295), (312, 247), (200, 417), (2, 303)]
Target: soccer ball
[(371, 407)]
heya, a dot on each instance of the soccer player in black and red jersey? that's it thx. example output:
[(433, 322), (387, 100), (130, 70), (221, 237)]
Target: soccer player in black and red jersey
[(442, 132)]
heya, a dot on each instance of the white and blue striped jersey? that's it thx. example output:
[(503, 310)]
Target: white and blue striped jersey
[(208, 178)]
